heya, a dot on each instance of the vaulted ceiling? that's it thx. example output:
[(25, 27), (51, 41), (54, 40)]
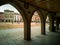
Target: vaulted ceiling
[(50, 5)]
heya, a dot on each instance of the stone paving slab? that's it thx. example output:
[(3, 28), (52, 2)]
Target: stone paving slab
[(16, 37)]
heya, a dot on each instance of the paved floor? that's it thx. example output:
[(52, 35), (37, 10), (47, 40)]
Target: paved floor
[(16, 37)]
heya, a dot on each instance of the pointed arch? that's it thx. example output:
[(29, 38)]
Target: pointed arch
[(40, 15), (50, 16), (50, 23), (17, 6), (39, 26)]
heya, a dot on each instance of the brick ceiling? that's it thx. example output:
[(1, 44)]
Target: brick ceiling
[(50, 5)]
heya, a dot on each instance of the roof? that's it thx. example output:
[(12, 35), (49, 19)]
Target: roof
[(8, 11), (1, 12), (16, 13)]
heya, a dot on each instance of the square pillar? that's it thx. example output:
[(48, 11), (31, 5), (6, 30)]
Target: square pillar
[(27, 31), (57, 25), (51, 27), (43, 27)]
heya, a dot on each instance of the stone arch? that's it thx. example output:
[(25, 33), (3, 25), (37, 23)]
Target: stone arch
[(50, 17), (40, 15), (23, 14), (47, 21), (51, 22), (35, 24), (42, 21), (18, 7)]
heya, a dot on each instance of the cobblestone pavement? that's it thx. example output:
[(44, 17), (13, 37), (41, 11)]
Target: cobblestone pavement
[(16, 37)]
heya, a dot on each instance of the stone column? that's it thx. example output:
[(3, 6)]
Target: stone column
[(27, 30), (57, 24), (43, 27), (51, 27)]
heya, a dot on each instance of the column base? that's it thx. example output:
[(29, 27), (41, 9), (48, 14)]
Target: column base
[(27, 39)]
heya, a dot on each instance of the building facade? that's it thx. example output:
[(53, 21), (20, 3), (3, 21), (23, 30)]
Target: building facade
[(16, 17), (1, 16), (10, 16)]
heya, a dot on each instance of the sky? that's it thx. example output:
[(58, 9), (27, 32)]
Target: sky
[(8, 7)]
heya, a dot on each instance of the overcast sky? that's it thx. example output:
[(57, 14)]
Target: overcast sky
[(8, 7)]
